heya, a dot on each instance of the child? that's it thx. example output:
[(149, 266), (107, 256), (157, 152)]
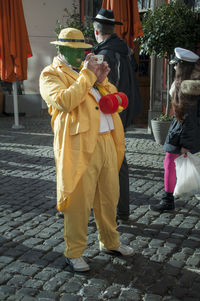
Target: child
[(184, 133)]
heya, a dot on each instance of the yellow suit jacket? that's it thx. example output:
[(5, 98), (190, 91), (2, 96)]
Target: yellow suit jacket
[(75, 123)]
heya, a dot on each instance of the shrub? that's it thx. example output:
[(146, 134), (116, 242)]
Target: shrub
[(169, 26), (74, 20)]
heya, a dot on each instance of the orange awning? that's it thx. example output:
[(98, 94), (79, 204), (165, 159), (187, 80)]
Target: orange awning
[(14, 42), (126, 11)]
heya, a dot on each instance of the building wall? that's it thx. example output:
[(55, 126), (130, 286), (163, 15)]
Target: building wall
[(41, 16)]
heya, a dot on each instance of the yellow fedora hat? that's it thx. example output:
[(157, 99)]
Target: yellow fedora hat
[(71, 37)]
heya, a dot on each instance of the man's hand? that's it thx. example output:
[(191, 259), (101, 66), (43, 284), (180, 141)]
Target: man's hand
[(184, 150), (91, 63), (100, 70)]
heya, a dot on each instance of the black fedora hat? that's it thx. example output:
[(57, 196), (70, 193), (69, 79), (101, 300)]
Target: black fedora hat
[(106, 16)]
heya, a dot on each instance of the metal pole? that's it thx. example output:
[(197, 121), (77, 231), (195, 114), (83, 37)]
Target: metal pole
[(15, 103)]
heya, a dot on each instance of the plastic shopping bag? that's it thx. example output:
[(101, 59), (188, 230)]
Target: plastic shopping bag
[(187, 175)]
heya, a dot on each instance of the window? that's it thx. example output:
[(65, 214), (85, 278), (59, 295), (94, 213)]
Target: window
[(91, 7), (197, 5), (144, 4)]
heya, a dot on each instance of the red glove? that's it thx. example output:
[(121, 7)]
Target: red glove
[(124, 99), (112, 103)]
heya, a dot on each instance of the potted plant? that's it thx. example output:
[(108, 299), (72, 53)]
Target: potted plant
[(165, 28), (73, 19)]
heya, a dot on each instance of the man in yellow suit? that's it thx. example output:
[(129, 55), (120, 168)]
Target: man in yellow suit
[(88, 146)]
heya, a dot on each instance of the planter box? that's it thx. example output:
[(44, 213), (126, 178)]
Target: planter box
[(160, 130)]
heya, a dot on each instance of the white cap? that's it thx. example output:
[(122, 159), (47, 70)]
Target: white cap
[(182, 54)]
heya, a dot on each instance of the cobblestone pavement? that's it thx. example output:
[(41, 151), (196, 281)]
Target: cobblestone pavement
[(166, 264)]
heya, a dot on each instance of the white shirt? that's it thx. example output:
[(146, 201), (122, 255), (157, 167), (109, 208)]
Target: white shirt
[(106, 121)]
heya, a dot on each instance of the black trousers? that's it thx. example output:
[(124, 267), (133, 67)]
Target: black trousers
[(123, 205)]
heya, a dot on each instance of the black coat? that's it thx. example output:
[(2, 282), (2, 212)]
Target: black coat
[(122, 74), (185, 134)]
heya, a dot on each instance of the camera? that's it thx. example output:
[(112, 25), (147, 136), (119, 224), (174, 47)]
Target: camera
[(99, 58)]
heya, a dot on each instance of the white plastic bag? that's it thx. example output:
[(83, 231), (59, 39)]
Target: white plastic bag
[(187, 175)]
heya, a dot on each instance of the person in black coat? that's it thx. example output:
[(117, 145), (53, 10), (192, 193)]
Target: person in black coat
[(184, 133), (122, 74)]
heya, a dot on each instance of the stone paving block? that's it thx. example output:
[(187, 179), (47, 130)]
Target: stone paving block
[(27, 292), (70, 297), (72, 286), (190, 299), (17, 281), (152, 297), (89, 291), (180, 256), (15, 298), (45, 274), (158, 288), (129, 294), (31, 256), (188, 251), (34, 283), (180, 292), (53, 284), (193, 261), (111, 292), (158, 257), (190, 244), (197, 226), (6, 290), (123, 262), (176, 263), (102, 283), (151, 232), (165, 265), (170, 298), (31, 242), (29, 270), (91, 252), (156, 243), (195, 237), (13, 268), (149, 251), (6, 259), (47, 296), (28, 298), (43, 248), (194, 290)]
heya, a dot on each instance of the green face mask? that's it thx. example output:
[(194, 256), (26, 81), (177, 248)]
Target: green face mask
[(74, 56)]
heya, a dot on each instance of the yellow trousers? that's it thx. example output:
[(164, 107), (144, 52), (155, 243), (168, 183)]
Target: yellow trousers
[(97, 189)]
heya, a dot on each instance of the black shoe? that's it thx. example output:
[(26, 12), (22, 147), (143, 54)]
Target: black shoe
[(60, 214), (123, 217), (167, 203)]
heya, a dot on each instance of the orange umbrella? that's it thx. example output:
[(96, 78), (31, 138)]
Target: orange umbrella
[(14, 45), (14, 42), (126, 11)]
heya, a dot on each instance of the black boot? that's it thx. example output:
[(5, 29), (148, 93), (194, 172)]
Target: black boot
[(167, 203)]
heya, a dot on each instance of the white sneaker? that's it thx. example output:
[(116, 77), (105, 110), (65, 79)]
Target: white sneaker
[(122, 250), (78, 264)]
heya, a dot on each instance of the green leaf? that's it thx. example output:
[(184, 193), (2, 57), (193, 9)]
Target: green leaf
[(73, 20), (168, 26)]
